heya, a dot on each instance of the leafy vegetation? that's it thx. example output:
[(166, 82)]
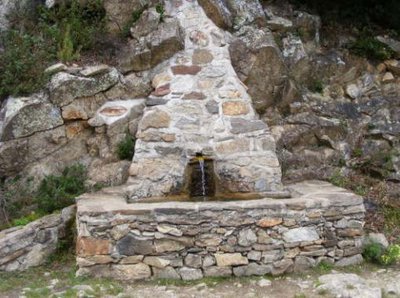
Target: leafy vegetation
[(38, 38), (376, 253), (126, 148), (57, 192), (371, 48), (316, 86), (161, 11)]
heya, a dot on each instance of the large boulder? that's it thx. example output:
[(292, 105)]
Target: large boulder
[(25, 116), (65, 87), (153, 48), (258, 63), (119, 12), (234, 14)]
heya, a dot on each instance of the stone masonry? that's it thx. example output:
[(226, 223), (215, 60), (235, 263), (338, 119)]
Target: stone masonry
[(199, 105), (190, 240)]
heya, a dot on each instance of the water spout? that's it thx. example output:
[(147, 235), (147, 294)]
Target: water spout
[(203, 175)]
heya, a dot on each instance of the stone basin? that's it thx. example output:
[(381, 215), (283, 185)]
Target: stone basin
[(190, 240)]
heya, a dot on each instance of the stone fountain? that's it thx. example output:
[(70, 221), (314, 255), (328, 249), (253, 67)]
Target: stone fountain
[(199, 125)]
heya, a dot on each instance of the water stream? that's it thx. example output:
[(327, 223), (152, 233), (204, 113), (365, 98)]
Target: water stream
[(203, 176)]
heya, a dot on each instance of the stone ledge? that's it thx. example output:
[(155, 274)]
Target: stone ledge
[(309, 194)]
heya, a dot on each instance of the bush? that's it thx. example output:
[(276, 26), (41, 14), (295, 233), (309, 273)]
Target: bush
[(373, 252), (376, 253), (57, 192), (126, 148), (37, 39), (371, 48)]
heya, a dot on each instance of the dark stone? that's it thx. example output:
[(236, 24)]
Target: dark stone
[(240, 125), (194, 95), (212, 107), (151, 101), (185, 70), (134, 245)]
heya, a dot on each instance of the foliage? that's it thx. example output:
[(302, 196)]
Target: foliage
[(316, 86), (391, 256), (376, 253), (373, 252), (126, 148), (161, 11), (324, 267), (57, 192), (371, 48), (36, 39), (22, 221), (22, 63), (15, 199)]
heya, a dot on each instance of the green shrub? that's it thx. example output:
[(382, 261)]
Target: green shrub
[(376, 253), (371, 48), (373, 252), (126, 148), (316, 86), (22, 221), (57, 192), (36, 39), (391, 256), (22, 63), (161, 11)]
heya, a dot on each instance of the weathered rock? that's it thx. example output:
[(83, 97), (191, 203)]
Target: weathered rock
[(353, 260), (215, 271), (252, 269), (282, 266), (377, 238), (133, 245), (147, 23), (230, 259), (258, 63), (190, 273), (193, 260), (156, 262), (86, 246), (166, 273), (218, 12), (347, 285), (130, 272), (64, 87), (247, 237), (301, 234), (152, 49), (155, 119), (25, 116)]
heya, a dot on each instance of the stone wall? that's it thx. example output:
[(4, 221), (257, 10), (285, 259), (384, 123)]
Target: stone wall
[(31, 245), (190, 240)]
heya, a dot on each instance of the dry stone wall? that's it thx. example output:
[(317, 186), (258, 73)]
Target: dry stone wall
[(187, 240), (31, 245)]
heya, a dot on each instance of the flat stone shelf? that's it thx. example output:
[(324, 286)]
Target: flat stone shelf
[(190, 240)]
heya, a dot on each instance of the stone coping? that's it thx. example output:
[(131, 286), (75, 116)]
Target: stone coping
[(307, 194)]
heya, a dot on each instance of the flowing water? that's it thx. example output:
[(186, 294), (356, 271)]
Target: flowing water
[(203, 176)]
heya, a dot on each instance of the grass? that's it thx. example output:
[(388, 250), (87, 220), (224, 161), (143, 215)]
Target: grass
[(392, 221), (37, 279)]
